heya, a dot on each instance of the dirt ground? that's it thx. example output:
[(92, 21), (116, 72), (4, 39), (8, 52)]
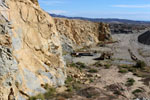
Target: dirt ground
[(117, 78), (111, 76)]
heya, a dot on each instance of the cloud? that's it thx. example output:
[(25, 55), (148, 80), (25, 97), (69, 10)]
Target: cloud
[(50, 3), (57, 11), (132, 6)]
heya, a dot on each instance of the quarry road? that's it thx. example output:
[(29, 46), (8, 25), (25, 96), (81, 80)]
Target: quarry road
[(121, 49), (130, 41)]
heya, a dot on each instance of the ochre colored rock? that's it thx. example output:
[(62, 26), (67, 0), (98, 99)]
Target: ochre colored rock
[(81, 32), (31, 47), (31, 52), (35, 2)]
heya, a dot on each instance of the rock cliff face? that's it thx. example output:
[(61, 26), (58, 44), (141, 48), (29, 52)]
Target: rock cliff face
[(30, 50), (80, 32)]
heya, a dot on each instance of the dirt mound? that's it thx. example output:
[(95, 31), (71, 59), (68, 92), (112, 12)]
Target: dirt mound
[(145, 38)]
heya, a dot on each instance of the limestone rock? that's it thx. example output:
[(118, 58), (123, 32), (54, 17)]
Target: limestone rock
[(30, 50), (80, 32), (35, 1)]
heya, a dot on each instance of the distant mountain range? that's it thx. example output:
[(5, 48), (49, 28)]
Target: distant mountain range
[(106, 20)]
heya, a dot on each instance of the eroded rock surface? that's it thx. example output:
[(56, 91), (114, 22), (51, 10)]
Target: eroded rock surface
[(31, 47), (30, 50), (79, 32)]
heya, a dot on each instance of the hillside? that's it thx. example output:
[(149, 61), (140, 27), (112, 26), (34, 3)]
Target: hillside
[(117, 26), (75, 33), (144, 38), (107, 20)]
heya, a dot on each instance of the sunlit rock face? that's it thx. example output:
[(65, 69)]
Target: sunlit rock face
[(35, 2), (30, 50), (80, 32), (31, 47)]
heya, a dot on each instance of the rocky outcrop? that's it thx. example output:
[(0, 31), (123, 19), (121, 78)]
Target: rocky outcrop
[(30, 50), (79, 32), (144, 38), (35, 2), (31, 47)]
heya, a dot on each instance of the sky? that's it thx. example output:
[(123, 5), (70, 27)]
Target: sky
[(123, 9)]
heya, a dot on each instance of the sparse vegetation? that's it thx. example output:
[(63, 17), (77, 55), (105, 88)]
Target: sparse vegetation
[(78, 65), (72, 84), (121, 70), (68, 80), (81, 65), (137, 91), (107, 66), (130, 82), (38, 97), (97, 64), (139, 69), (51, 92), (124, 66), (91, 80), (140, 64), (92, 70)]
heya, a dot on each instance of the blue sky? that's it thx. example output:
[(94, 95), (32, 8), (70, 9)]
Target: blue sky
[(124, 9)]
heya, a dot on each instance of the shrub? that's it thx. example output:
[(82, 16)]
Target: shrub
[(68, 80), (121, 70), (107, 66), (98, 64), (91, 80), (124, 66), (140, 64), (49, 94), (38, 97), (130, 82), (81, 65), (137, 91), (93, 70), (78, 65), (72, 65), (69, 88)]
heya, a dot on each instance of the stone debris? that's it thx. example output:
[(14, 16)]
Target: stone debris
[(105, 55)]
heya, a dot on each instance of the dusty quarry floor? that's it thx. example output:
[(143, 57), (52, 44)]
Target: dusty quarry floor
[(118, 78)]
